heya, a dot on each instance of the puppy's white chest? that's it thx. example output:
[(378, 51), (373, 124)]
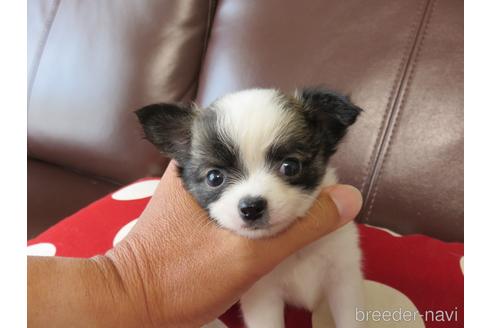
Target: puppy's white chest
[(304, 277)]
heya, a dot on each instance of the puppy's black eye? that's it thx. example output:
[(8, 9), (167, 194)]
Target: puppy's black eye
[(215, 178), (290, 167)]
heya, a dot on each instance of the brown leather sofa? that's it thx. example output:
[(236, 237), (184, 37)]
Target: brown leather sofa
[(92, 63)]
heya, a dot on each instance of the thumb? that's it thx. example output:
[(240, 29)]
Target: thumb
[(335, 206)]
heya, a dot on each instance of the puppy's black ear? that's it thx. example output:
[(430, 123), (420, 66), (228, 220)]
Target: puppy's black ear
[(329, 113), (168, 127)]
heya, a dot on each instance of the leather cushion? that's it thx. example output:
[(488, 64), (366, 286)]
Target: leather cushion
[(92, 63)]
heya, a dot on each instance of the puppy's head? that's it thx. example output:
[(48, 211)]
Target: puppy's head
[(254, 159)]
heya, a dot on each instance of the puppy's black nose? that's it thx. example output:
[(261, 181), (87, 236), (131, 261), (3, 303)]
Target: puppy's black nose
[(252, 208)]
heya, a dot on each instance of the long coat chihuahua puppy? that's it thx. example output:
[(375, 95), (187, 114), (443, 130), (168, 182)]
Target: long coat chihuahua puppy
[(256, 160)]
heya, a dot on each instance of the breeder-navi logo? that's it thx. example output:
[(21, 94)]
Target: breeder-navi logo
[(399, 315)]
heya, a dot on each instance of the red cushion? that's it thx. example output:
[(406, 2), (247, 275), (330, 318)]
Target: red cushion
[(414, 278)]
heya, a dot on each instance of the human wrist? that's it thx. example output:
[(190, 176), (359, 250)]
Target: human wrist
[(76, 293), (126, 302)]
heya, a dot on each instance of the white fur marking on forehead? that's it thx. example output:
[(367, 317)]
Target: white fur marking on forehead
[(253, 119)]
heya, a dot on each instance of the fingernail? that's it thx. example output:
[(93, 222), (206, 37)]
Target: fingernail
[(347, 199)]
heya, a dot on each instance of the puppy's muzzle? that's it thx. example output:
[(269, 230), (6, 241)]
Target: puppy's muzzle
[(252, 208)]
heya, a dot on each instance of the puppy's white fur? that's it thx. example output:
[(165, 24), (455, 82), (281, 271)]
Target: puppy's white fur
[(253, 119), (327, 269)]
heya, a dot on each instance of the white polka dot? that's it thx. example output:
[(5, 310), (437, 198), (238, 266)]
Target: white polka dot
[(462, 264), (123, 232), (378, 297), (41, 249), (394, 234), (137, 190), (215, 324), (321, 316)]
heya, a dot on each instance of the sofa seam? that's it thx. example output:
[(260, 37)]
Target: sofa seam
[(399, 105), (212, 6), (388, 107), (399, 76), (37, 59)]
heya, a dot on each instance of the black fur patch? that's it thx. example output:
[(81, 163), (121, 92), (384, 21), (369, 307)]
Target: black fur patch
[(210, 150), (168, 127), (322, 121), (328, 113), (313, 163)]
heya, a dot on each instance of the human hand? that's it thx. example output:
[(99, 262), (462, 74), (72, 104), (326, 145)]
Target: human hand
[(177, 268)]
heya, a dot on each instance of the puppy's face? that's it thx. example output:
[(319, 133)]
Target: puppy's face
[(254, 159)]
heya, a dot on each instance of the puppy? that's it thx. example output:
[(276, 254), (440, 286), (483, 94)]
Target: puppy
[(256, 161)]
